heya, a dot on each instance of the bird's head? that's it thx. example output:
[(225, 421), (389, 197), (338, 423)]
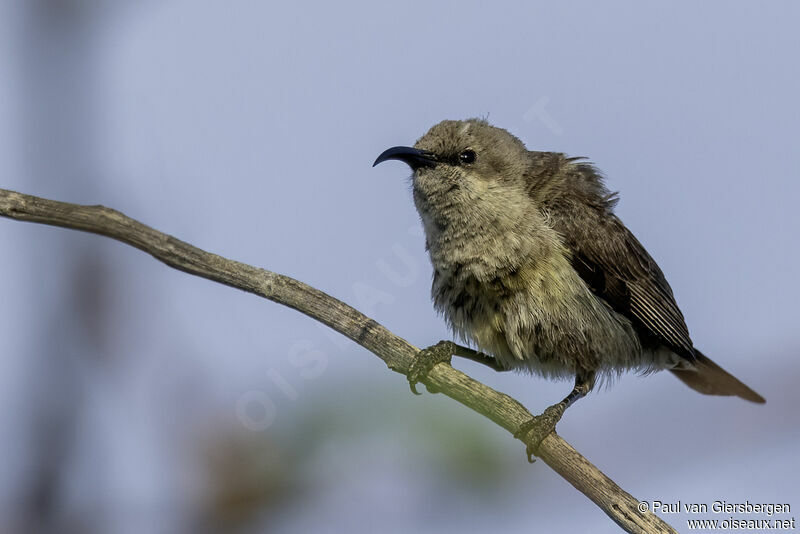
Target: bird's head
[(467, 173)]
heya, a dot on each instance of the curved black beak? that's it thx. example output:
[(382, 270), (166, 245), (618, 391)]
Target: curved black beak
[(413, 157)]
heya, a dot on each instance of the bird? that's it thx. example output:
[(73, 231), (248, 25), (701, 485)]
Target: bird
[(532, 267)]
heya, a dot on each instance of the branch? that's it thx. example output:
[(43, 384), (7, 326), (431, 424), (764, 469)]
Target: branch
[(393, 350)]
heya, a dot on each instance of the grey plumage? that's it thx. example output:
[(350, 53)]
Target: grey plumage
[(533, 267)]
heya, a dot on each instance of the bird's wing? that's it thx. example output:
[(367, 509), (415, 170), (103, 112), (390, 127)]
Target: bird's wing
[(618, 269)]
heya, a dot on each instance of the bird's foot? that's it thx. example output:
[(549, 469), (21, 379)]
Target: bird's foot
[(427, 359), (533, 431)]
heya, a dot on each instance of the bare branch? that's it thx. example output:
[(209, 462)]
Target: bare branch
[(394, 351)]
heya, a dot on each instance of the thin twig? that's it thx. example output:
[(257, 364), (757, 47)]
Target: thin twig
[(393, 350)]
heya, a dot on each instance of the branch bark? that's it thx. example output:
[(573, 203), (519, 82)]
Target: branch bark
[(396, 352)]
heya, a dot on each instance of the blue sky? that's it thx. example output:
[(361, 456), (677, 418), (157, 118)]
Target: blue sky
[(249, 129)]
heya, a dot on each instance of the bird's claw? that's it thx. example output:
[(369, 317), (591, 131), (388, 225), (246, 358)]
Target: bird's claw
[(427, 359), (533, 431)]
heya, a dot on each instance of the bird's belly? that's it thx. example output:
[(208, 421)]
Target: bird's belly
[(540, 317)]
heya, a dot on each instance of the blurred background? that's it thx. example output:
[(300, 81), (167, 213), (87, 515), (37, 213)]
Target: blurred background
[(135, 398)]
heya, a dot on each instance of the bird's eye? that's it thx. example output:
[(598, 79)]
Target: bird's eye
[(468, 156)]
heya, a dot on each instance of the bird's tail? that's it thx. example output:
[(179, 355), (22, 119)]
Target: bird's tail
[(710, 379)]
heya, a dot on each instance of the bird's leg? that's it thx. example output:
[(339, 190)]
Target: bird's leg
[(478, 357), (426, 359), (533, 431)]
